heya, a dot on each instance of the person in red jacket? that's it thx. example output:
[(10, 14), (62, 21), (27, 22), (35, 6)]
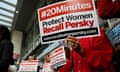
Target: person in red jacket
[(108, 9), (93, 54)]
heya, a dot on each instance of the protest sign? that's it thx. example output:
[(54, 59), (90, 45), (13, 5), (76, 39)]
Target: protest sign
[(77, 18), (58, 57), (28, 66)]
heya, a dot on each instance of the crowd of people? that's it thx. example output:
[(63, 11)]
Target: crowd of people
[(94, 54)]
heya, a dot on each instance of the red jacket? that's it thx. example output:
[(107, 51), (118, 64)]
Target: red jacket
[(97, 56), (108, 8)]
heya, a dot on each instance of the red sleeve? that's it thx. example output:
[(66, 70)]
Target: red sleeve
[(66, 67), (108, 9), (100, 54)]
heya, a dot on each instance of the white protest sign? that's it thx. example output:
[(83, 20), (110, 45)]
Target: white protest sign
[(47, 68), (28, 66), (58, 57), (77, 18)]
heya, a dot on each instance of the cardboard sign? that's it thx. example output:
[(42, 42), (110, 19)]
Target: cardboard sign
[(114, 34), (47, 68), (57, 57), (28, 66), (77, 18)]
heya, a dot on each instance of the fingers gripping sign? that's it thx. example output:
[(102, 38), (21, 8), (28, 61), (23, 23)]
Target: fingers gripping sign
[(73, 41)]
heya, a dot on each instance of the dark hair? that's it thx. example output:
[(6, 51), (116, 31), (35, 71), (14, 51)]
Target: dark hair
[(32, 56), (117, 44), (5, 33), (104, 24)]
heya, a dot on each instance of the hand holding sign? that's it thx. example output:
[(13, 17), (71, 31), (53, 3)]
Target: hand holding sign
[(74, 44)]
